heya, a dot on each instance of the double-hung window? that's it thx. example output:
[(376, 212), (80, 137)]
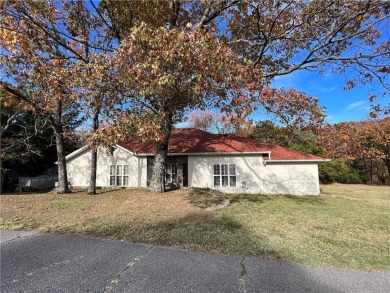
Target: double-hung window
[(225, 175), (119, 175)]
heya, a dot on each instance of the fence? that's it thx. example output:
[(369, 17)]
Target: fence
[(37, 183)]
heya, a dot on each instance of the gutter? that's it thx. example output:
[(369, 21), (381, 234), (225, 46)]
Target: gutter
[(208, 154), (298, 161)]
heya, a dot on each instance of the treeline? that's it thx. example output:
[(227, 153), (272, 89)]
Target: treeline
[(361, 151)]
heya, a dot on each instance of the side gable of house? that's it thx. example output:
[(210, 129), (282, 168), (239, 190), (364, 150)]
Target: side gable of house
[(122, 168)]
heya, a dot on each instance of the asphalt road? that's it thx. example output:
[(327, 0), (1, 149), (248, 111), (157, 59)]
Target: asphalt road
[(34, 262)]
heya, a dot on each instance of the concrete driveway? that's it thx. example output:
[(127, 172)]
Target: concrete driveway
[(35, 262)]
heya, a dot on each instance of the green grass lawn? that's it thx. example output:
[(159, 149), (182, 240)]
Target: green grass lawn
[(348, 226)]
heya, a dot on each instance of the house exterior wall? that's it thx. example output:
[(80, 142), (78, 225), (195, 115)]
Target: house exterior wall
[(291, 178), (79, 168), (252, 176)]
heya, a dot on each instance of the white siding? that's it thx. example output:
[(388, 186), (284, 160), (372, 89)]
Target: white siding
[(291, 178), (79, 168), (271, 178)]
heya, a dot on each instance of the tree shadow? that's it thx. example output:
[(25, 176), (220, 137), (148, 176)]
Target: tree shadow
[(261, 264), (200, 231), (106, 190), (255, 198), (312, 200), (171, 188), (205, 197)]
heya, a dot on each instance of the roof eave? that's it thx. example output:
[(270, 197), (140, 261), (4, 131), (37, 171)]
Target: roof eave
[(299, 161), (207, 153), (77, 152), (126, 150)]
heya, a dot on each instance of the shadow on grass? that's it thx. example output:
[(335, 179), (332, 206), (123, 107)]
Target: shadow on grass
[(105, 190), (256, 198), (312, 200), (206, 197), (261, 198), (196, 231), (171, 188)]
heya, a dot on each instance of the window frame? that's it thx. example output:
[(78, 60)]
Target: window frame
[(171, 170), (119, 175), (224, 175)]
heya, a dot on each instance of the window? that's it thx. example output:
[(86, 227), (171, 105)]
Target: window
[(225, 175), (170, 173), (119, 175)]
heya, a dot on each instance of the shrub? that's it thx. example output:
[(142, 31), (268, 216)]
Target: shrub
[(341, 172)]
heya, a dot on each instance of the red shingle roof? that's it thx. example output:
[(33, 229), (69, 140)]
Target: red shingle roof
[(195, 141)]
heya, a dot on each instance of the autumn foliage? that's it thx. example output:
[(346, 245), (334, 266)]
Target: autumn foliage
[(365, 142), (139, 67)]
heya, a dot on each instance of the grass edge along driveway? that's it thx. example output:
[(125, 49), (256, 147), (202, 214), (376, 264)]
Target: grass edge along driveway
[(346, 227)]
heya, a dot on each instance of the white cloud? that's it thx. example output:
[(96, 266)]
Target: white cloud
[(356, 105)]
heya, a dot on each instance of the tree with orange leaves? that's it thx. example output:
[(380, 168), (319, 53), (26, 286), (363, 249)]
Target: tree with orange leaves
[(258, 40), (173, 70), (39, 48), (220, 123), (364, 141)]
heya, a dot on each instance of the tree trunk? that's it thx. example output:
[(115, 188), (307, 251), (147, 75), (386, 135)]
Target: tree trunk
[(63, 186), (366, 169), (92, 180), (1, 175), (157, 183), (387, 162), (371, 179), (56, 123), (1, 155)]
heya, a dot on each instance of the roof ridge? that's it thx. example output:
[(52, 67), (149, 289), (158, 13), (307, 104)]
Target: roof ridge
[(189, 140)]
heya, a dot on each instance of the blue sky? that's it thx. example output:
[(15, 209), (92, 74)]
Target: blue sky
[(341, 105)]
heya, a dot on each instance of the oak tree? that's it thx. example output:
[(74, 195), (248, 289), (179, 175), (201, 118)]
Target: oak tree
[(47, 46), (274, 38), (37, 59)]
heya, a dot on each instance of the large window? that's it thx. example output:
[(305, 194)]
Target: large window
[(119, 175), (225, 175)]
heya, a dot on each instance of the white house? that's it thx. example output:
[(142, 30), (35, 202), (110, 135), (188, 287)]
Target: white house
[(200, 159)]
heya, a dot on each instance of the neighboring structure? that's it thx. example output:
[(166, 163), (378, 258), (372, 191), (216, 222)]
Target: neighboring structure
[(41, 182), (200, 159)]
